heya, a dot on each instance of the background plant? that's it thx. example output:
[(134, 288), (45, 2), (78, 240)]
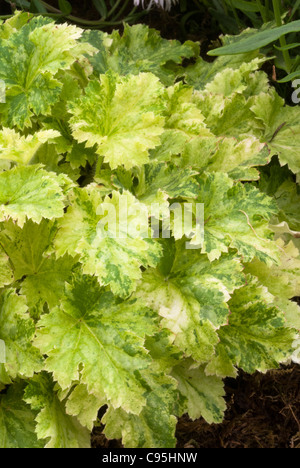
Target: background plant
[(111, 12), (230, 16), (235, 16)]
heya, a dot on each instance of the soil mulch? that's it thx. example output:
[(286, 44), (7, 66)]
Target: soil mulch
[(263, 411)]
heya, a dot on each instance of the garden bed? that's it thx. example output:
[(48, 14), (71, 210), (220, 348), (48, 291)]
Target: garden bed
[(263, 410)]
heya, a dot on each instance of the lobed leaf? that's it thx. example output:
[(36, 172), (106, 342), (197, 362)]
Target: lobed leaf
[(156, 424), (236, 216), (111, 238), (54, 426), (122, 116), (17, 330), (31, 193), (17, 425), (30, 58), (32, 267), (139, 49), (203, 395), (94, 340), (255, 338), (192, 299)]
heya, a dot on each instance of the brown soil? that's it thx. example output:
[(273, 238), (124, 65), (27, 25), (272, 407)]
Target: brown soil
[(263, 412)]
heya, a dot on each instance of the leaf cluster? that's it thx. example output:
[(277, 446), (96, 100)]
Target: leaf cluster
[(139, 324)]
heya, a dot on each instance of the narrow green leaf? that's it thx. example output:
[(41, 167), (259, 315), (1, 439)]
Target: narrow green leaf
[(288, 46), (65, 7), (257, 41), (290, 77), (251, 6), (101, 7), (37, 7)]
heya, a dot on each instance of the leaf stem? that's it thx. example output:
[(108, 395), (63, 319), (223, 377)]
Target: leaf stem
[(267, 10), (235, 14), (262, 11), (75, 19), (122, 9), (282, 40)]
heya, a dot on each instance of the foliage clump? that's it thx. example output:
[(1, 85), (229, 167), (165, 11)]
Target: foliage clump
[(94, 122)]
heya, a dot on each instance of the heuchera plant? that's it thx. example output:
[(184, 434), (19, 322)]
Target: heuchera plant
[(143, 326)]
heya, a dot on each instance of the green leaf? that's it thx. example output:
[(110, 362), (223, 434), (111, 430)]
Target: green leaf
[(32, 266), (290, 77), (17, 425), (159, 182), (227, 116), (58, 429), (202, 394), (122, 115), (278, 182), (37, 7), (255, 338), (168, 179), (192, 299), (156, 424), (237, 158), (6, 274), (292, 312), (183, 114), (140, 49), (279, 127), (201, 72), (94, 340), (257, 41), (48, 156), (20, 149), (31, 57), (15, 22), (85, 406), (172, 144), (282, 280), (65, 7), (79, 155), (80, 221), (192, 332), (211, 283), (110, 237), (30, 193), (245, 6), (162, 350), (234, 80), (101, 7), (236, 216), (288, 47), (17, 331)]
